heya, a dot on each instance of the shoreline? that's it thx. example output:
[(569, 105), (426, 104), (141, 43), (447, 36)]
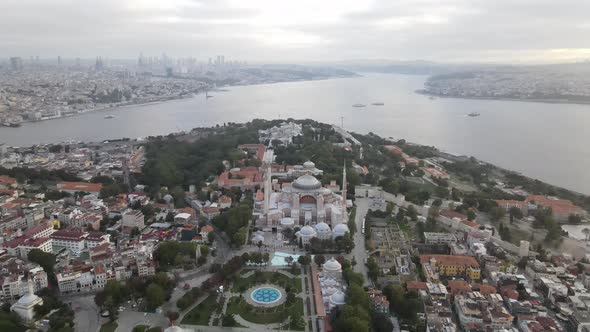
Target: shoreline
[(543, 101), (166, 100)]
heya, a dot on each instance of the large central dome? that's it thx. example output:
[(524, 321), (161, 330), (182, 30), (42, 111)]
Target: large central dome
[(307, 182)]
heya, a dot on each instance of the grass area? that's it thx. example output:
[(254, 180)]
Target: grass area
[(108, 327), (201, 313), (242, 284), (140, 328), (278, 314)]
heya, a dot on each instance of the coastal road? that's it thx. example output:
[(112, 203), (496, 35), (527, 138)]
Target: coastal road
[(359, 253)]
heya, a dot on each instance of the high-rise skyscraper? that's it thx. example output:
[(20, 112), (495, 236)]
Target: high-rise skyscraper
[(99, 66), (16, 63), (59, 60)]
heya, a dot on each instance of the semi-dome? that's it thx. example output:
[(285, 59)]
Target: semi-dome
[(340, 230), (307, 182), (332, 265), (257, 239), (307, 231), (338, 298), (322, 227), (287, 222), (309, 165)]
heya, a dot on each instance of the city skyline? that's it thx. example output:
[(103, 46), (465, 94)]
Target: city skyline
[(265, 31)]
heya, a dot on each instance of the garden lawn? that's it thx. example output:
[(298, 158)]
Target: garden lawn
[(200, 314), (242, 284), (278, 314), (108, 327)]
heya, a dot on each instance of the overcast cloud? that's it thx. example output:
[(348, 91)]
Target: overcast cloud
[(301, 30)]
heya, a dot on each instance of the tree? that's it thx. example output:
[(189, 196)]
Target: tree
[(304, 260), (345, 243), (497, 213), (44, 259), (586, 232), (515, 212), (382, 323), (471, 214), (574, 219), (155, 296), (412, 213), (228, 320), (319, 260), (373, 268)]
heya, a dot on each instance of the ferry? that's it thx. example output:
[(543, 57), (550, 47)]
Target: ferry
[(359, 105), (12, 124), (378, 104), (432, 97), (473, 114), (109, 116)]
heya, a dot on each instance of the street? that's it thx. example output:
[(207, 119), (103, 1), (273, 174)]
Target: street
[(359, 251), (86, 316)]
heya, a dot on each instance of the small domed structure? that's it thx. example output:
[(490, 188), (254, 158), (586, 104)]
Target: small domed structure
[(305, 234), (338, 298), (332, 266), (309, 165), (258, 239), (340, 230), (307, 182), (287, 222)]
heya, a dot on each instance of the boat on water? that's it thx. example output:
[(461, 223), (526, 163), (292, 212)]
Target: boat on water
[(207, 96), (109, 116), (12, 124), (432, 97), (359, 105), (473, 114), (378, 104)]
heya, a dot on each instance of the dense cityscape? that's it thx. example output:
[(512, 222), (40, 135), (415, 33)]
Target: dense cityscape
[(36, 90), (566, 83), (250, 226), (301, 166)]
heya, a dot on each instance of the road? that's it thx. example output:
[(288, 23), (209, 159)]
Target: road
[(86, 314), (129, 319), (359, 251)]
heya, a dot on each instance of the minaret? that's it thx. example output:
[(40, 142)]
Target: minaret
[(267, 188), (30, 285), (344, 185)]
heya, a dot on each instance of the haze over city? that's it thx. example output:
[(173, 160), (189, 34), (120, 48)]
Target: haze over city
[(302, 166), (527, 31)]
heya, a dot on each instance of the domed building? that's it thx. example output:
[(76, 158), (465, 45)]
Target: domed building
[(305, 234), (305, 202), (332, 268), (323, 230), (337, 299), (340, 230), (24, 307)]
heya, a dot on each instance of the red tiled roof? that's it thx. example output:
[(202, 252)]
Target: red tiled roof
[(450, 260), (394, 149), (207, 228), (452, 214), (470, 223), (457, 286), (416, 285), (7, 180), (80, 186)]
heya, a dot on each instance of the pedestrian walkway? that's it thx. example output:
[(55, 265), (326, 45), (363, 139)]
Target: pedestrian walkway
[(259, 327)]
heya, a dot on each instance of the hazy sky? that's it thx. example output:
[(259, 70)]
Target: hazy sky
[(302, 30)]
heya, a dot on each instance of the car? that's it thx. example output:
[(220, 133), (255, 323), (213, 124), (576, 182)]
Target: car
[(144, 314)]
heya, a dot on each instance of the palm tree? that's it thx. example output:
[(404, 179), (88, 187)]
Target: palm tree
[(586, 232)]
